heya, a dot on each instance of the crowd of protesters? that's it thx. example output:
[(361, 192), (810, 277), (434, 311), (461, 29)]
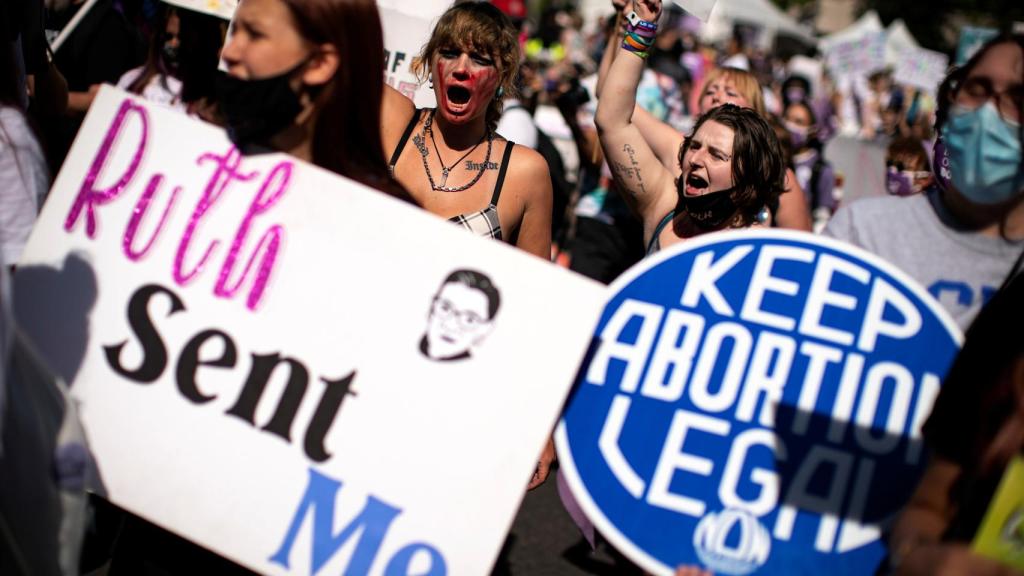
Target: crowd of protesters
[(592, 146)]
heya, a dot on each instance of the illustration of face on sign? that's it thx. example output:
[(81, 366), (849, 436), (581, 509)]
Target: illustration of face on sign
[(753, 404), (461, 316)]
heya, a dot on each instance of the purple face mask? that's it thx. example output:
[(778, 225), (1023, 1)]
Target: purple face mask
[(898, 183), (902, 182), (798, 135)]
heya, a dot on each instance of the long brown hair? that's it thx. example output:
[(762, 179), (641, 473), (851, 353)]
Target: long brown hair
[(346, 139)]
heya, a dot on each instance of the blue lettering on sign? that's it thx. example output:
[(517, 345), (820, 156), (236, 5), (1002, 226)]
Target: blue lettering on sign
[(754, 403), (371, 525)]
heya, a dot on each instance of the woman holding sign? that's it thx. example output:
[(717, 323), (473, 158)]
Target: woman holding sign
[(457, 166), (730, 168), (304, 77)]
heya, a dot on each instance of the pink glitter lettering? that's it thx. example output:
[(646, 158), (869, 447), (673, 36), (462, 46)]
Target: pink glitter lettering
[(273, 188), (88, 196), (227, 171), (140, 212)]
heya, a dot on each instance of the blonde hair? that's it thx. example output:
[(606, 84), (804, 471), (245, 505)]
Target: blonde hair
[(482, 27), (746, 84)]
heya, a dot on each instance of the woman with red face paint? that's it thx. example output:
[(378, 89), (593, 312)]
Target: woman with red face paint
[(450, 158), (458, 167), (729, 169), (721, 86)]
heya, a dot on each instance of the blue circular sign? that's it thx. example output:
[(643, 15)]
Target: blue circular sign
[(752, 403)]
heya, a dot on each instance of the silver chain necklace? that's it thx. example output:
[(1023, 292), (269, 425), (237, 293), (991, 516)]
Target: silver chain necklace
[(421, 145)]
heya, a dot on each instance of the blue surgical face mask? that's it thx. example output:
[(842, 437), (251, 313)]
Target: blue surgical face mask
[(984, 154)]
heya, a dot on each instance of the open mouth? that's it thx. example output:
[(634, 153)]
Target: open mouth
[(458, 95), (695, 185)]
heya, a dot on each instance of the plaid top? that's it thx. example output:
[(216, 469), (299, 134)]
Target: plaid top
[(484, 222)]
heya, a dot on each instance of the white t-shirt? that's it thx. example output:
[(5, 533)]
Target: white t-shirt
[(516, 124), (155, 91), (24, 181)]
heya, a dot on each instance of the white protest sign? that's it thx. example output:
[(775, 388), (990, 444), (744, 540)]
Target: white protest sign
[(222, 8), (289, 368), (753, 404), (921, 68), (425, 9), (857, 56), (404, 37), (699, 8)]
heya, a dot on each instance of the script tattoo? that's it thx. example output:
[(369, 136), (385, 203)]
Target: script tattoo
[(476, 167), (636, 166), (622, 171), (420, 145)]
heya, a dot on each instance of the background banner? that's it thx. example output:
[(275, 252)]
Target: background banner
[(404, 36), (753, 404), (291, 369), (921, 68)]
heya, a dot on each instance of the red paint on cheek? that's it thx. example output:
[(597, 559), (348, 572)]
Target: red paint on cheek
[(440, 86), (485, 79)]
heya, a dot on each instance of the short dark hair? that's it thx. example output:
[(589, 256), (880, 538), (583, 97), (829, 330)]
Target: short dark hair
[(479, 281), (758, 164), (905, 147)]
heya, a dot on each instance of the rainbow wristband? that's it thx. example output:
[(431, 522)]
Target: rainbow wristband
[(639, 41), (630, 45)]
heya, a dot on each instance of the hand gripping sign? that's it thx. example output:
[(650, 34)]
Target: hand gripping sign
[(752, 403), (266, 370)]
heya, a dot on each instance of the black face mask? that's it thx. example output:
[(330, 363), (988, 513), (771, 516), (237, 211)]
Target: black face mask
[(709, 210), (171, 57), (255, 110)]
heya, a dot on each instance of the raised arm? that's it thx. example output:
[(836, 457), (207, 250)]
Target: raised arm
[(663, 139), (640, 175)]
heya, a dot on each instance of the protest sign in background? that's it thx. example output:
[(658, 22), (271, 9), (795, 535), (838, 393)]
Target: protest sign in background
[(404, 37), (253, 342), (858, 56), (753, 403), (223, 8), (921, 68)]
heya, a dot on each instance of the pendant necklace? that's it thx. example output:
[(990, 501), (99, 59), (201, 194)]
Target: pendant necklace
[(446, 170)]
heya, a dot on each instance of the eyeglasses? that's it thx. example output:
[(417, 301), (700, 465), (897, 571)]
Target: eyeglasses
[(976, 91), (466, 319)]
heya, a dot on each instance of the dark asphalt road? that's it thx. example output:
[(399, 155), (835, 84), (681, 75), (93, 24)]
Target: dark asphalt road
[(544, 541)]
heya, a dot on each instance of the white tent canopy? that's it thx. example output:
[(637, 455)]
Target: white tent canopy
[(866, 24), (759, 13)]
